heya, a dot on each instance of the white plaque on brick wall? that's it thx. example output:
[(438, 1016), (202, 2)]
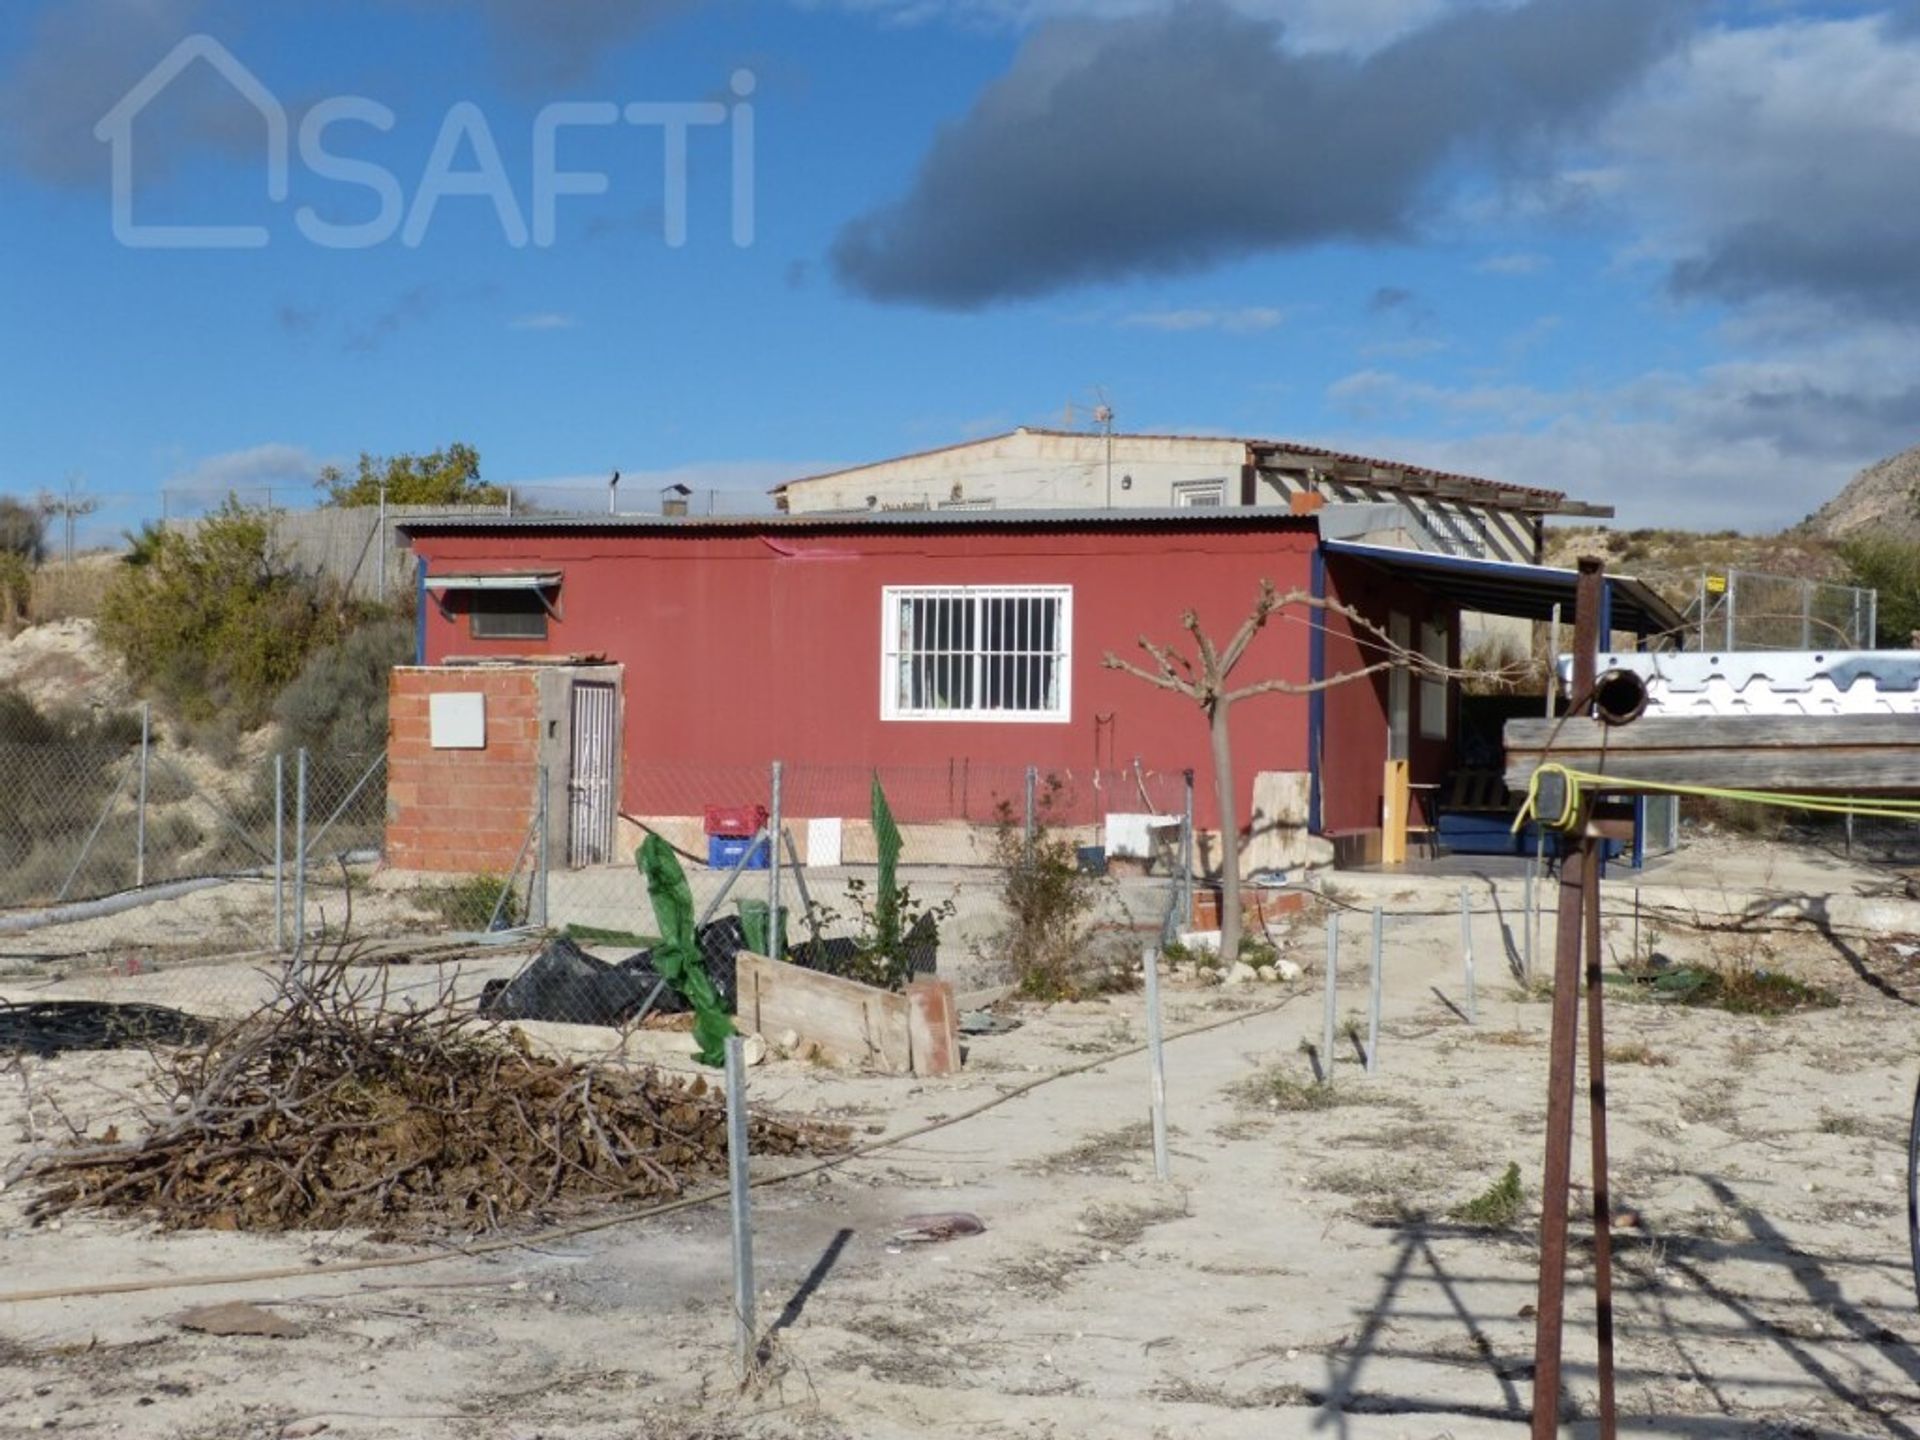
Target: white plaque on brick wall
[(457, 720)]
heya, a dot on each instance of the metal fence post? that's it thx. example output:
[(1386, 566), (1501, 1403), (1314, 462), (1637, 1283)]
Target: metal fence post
[(1032, 816), (1331, 1018), (1186, 849), (300, 853), (1466, 950), (773, 872), (140, 831), (279, 853), (1373, 995), (742, 1211), (1526, 922), (537, 882), (1156, 1056)]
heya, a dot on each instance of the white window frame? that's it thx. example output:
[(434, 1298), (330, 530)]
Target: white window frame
[(1436, 639), (891, 707), (1199, 494)]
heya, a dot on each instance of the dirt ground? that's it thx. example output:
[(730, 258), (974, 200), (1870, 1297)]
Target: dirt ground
[(1304, 1273)]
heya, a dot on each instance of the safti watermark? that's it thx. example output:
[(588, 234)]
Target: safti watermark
[(409, 218)]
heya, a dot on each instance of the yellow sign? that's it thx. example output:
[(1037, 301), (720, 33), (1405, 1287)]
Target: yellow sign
[(1716, 584)]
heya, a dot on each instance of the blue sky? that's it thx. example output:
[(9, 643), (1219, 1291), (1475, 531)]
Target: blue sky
[(1649, 251)]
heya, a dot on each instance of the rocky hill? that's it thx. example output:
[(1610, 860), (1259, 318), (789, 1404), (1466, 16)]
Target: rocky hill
[(1672, 560), (1880, 497)]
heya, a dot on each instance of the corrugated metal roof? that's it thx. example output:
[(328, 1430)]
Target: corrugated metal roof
[(1186, 518), (1500, 587)]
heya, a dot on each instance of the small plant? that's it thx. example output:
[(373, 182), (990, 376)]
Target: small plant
[(1635, 1052), (1280, 1089), (1833, 1122), (1740, 989), (1050, 901), (889, 945), (1498, 1207), (1258, 952), (470, 904)]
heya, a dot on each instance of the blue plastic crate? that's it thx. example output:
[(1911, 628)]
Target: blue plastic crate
[(724, 852)]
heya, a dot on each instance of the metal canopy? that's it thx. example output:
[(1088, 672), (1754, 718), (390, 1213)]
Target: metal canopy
[(546, 580), (1499, 587)]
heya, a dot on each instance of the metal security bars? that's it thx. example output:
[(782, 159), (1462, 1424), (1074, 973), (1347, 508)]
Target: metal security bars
[(977, 653)]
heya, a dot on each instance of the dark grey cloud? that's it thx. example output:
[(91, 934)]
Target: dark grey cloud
[(1782, 164), (1863, 262), (1389, 298), (561, 42), (1167, 141), (80, 57), (413, 306), (1806, 418)]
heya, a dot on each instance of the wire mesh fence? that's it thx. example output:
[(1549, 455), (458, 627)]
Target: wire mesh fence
[(1746, 610), (203, 883)]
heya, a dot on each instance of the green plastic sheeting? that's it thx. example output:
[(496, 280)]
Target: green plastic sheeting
[(886, 900), (677, 957)]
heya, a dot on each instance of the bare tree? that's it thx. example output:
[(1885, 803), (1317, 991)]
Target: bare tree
[(1202, 677)]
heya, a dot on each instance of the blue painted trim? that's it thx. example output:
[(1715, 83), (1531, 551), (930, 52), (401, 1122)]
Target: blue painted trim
[(1639, 832), (1317, 700), (1606, 615), (420, 613)]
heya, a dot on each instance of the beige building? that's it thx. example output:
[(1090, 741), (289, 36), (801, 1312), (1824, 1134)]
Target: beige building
[(1034, 469)]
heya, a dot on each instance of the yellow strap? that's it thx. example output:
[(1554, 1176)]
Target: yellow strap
[(1576, 780)]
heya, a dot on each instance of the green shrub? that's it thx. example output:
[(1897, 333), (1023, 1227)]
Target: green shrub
[(339, 701), (1499, 1206), (446, 477), (215, 621), (1890, 565), (469, 904), (23, 530), (16, 588), (1050, 902)]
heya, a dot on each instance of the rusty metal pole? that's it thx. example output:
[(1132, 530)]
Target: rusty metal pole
[(1602, 1199), (1577, 873)]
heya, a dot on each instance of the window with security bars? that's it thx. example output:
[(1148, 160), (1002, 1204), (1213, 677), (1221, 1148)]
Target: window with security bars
[(977, 653)]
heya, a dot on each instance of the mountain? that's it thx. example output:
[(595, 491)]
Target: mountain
[(1880, 497)]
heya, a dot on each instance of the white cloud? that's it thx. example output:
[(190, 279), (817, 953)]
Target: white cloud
[(1750, 444), (1237, 320), (275, 464), (1342, 25), (543, 320), (1520, 263), (1779, 160)]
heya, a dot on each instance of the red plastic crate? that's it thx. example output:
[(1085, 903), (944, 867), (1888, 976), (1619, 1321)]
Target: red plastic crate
[(739, 822)]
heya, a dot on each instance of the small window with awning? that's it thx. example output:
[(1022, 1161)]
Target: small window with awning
[(501, 605)]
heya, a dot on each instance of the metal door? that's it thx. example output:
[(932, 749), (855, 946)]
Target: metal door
[(590, 803)]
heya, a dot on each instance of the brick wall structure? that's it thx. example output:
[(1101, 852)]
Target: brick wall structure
[(462, 811)]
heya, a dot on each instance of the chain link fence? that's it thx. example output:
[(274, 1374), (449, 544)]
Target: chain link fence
[(1746, 610), (133, 872)]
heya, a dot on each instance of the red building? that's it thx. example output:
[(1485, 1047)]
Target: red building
[(928, 639)]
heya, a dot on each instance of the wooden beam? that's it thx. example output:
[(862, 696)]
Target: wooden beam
[(1822, 754)]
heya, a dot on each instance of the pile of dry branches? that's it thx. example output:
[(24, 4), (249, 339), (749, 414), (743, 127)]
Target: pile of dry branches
[(333, 1107)]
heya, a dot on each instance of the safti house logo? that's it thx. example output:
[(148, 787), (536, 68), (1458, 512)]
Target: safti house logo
[(464, 129)]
